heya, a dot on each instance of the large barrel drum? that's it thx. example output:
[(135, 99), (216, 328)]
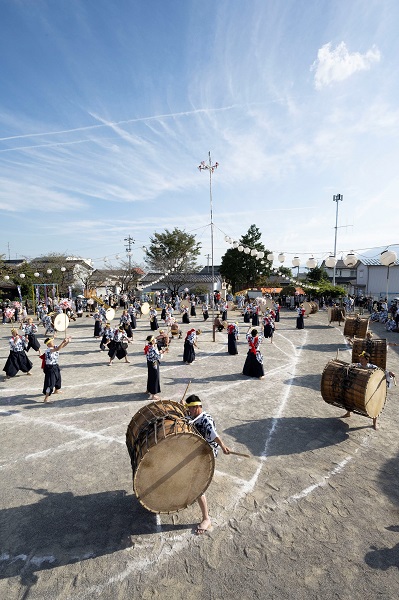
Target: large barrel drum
[(356, 326), (359, 390), (310, 308), (335, 313), (376, 348), (172, 465)]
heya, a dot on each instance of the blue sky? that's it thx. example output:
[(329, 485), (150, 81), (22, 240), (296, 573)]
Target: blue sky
[(107, 108)]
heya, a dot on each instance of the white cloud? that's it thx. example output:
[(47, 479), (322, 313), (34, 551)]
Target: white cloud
[(339, 64)]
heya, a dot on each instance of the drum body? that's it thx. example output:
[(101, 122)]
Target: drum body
[(376, 348), (356, 326), (336, 314), (356, 389), (310, 308), (172, 465)]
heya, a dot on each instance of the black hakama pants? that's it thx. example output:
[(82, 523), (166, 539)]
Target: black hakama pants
[(154, 324), (247, 318), (163, 314), (133, 321), (52, 379), (153, 380), (252, 367), (205, 315), (17, 361), (277, 319), (268, 331), (300, 323), (193, 312), (255, 320), (224, 315), (128, 330), (97, 329), (186, 318), (116, 349), (232, 343), (33, 342), (189, 352)]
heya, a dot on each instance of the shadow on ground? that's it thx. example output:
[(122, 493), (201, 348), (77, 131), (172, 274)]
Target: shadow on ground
[(295, 434), (62, 529), (384, 558)]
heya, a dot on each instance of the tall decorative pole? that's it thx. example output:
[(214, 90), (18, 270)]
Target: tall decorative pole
[(336, 199), (129, 241), (211, 168)]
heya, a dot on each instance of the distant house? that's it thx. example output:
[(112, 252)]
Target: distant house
[(377, 281), (344, 276), (115, 281), (152, 282)]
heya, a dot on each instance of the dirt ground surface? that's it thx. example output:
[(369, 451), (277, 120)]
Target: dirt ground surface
[(313, 513)]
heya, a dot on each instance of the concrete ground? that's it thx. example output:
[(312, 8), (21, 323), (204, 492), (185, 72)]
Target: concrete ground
[(313, 513)]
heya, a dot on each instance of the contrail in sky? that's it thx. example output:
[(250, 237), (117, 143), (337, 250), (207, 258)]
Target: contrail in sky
[(106, 124)]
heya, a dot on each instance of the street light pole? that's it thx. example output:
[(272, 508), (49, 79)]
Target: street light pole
[(211, 168), (336, 198)]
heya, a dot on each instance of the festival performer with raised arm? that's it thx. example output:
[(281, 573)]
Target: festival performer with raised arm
[(118, 345), (17, 359), (232, 337), (268, 325), (98, 321), (126, 323), (30, 330), (52, 373), (153, 356), (189, 344), (255, 315), (364, 363), (204, 424), (253, 366)]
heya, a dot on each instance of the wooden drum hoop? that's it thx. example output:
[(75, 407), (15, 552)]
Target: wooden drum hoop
[(355, 389), (172, 465), (376, 348)]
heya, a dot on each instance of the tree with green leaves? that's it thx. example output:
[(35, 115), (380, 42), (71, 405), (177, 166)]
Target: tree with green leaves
[(243, 270), (173, 253), (317, 274)]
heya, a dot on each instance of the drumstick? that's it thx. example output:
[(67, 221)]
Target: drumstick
[(185, 392), (239, 454)]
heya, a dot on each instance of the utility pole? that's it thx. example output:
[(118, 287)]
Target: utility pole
[(337, 198), (211, 168), (128, 246)]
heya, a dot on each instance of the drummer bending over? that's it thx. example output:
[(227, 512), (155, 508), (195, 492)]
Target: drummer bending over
[(205, 426), (363, 363)]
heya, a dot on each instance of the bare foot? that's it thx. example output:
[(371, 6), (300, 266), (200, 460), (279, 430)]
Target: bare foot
[(375, 424), (57, 392), (30, 374), (206, 525), (346, 415), (128, 361)]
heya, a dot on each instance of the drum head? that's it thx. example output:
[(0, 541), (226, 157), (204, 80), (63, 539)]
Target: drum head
[(308, 308), (145, 308), (174, 473), (184, 303), (61, 322), (110, 314)]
